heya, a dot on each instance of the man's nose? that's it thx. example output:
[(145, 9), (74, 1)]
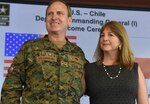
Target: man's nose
[(54, 16)]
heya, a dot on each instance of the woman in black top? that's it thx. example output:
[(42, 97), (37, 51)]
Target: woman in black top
[(115, 78)]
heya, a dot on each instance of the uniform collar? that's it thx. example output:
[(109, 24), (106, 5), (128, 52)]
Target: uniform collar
[(67, 47)]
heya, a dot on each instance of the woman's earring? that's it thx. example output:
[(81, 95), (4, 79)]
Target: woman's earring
[(120, 47)]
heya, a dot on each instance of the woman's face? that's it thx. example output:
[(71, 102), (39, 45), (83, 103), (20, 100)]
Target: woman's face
[(109, 42)]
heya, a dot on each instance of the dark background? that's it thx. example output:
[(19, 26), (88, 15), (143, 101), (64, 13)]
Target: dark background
[(128, 4)]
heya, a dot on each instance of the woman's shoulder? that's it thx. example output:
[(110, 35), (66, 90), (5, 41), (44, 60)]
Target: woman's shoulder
[(90, 64), (135, 66), (90, 67)]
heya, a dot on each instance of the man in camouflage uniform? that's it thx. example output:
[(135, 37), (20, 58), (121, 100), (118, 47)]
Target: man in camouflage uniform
[(48, 70)]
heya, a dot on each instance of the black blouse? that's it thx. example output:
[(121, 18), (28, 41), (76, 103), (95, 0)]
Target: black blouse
[(103, 90)]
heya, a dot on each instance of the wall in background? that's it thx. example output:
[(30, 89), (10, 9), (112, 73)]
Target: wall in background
[(119, 3)]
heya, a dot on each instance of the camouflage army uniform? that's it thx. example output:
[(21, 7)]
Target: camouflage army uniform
[(41, 73)]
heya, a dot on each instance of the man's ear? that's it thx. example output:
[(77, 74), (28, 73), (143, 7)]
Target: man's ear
[(69, 21)]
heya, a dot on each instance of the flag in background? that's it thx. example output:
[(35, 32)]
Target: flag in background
[(14, 41)]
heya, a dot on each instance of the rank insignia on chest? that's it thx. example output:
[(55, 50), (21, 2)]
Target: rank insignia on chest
[(46, 56)]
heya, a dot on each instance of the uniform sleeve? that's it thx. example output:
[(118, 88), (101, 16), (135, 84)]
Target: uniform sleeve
[(15, 80)]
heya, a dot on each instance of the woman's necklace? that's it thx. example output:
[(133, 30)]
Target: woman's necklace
[(110, 75)]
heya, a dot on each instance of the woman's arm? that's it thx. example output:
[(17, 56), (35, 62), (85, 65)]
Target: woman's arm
[(142, 97)]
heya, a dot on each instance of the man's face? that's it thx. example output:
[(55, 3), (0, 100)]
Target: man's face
[(57, 20)]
